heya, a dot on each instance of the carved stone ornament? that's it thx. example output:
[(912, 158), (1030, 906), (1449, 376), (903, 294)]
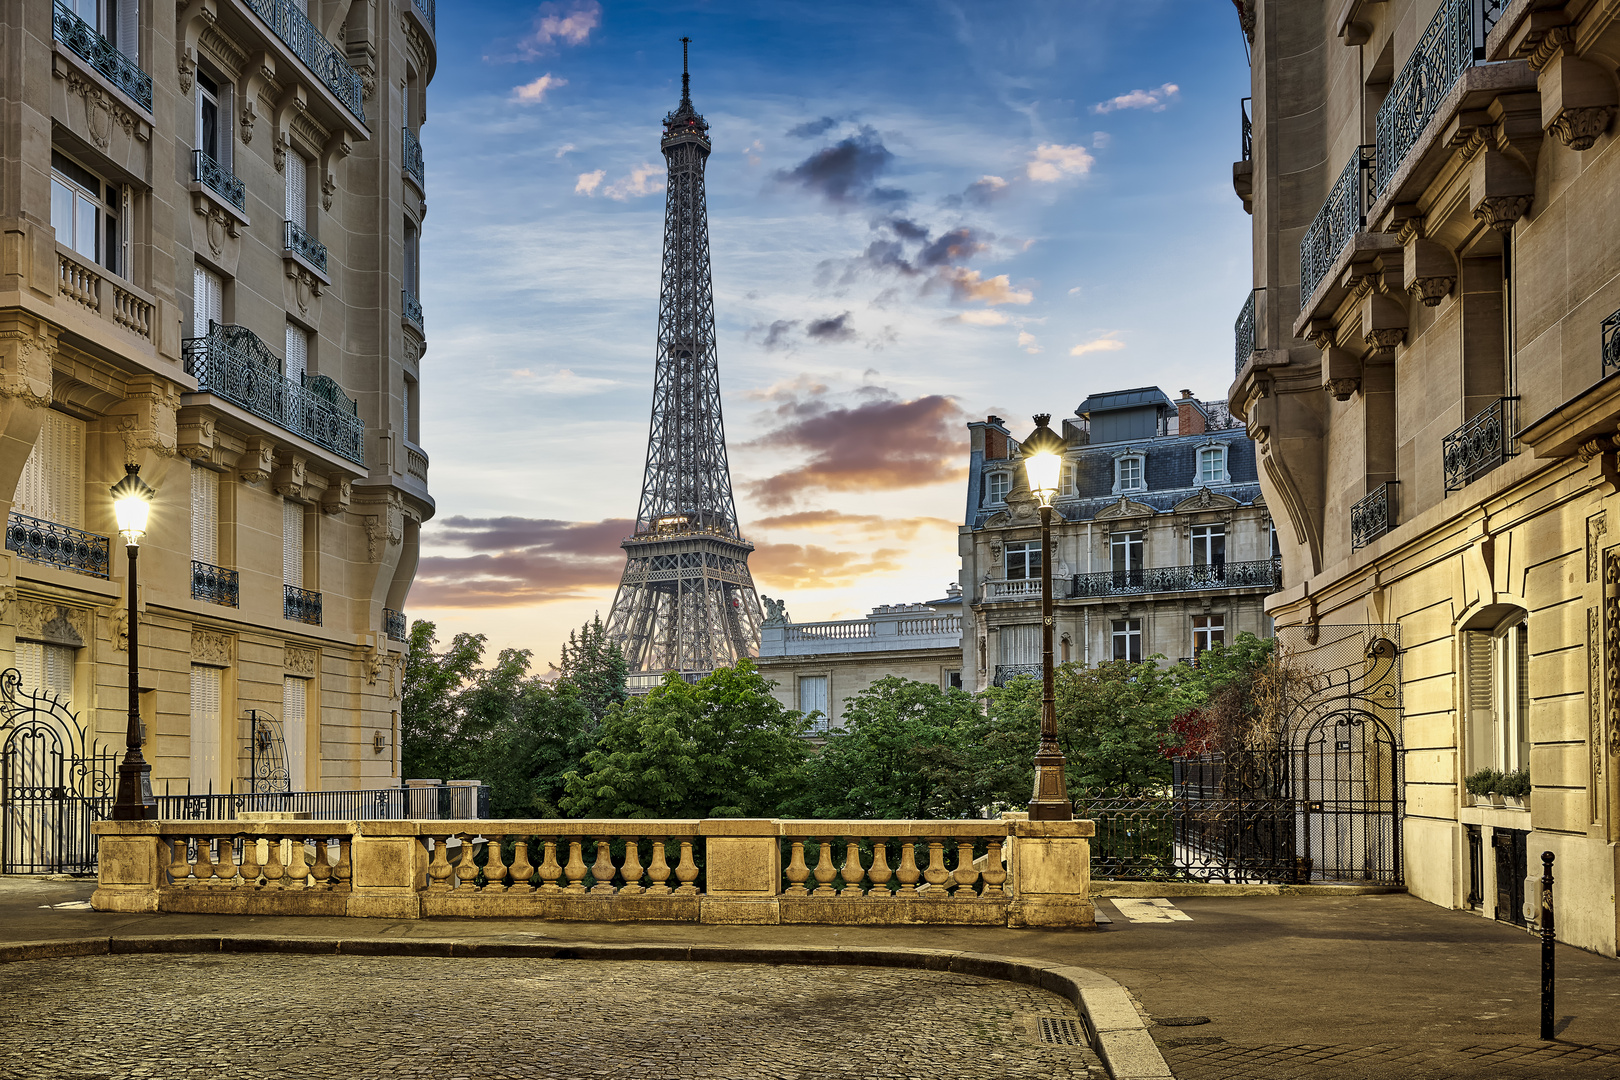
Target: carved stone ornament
[(306, 286), (995, 551), (1500, 212), (288, 479), (196, 439), (257, 461), (245, 121), (25, 365), (1594, 698), (1611, 653), (1342, 389), (118, 627), (101, 111), (8, 594), (211, 647), (328, 189), (1386, 340), (56, 624), (1579, 128), (219, 224), (335, 499), (1597, 527), (300, 661), (186, 68), (376, 659), (1431, 290)]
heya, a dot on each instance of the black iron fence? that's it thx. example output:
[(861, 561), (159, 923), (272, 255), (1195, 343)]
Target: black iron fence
[(1243, 331), (1342, 216), (1480, 445), (394, 625), (215, 584), (301, 605), (438, 802), (296, 239), (1265, 573), (62, 546), (1373, 516)]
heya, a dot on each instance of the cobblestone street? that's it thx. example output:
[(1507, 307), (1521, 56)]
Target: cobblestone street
[(110, 1018)]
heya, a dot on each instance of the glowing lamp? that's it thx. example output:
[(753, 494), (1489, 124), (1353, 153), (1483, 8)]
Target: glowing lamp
[(132, 502)]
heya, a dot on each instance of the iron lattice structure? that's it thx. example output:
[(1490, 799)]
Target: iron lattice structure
[(687, 601)]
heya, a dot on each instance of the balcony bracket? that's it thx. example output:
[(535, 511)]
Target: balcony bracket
[(1430, 271), (1577, 100), (261, 72), (195, 17), (1383, 320), (1341, 373), (294, 100)]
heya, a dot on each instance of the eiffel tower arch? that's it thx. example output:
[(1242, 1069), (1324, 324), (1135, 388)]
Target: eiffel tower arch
[(686, 602)]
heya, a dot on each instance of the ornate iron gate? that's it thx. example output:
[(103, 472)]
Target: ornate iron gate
[(54, 781)]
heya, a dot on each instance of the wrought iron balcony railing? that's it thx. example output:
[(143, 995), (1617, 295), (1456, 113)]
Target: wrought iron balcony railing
[(1611, 344), (329, 65), (425, 9), (233, 363), (1243, 331), (1342, 216), (413, 308), (414, 167), (1453, 41), (1245, 106), (120, 70), (1006, 673), (394, 624), (1480, 445), (305, 246), (218, 179), (301, 605), (41, 541), (1373, 516), (1266, 573), (215, 584)]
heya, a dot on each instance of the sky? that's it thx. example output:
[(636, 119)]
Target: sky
[(920, 214)]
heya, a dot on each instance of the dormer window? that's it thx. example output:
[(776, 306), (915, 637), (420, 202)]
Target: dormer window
[(1211, 466), (1130, 473), (1067, 483), (997, 487)]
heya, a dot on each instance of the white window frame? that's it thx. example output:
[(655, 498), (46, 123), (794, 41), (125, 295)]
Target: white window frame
[(292, 544), (996, 486), (220, 98), (295, 201), (51, 485), (1122, 546), (1203, 543), (204, 515), (1498, 662), (295, 722), (47, 668), (1024, 549), (819, 700), (1068, 483), (1122, 468), (1203, 477), (92, 226), (207, 300), (297, 362), (1207, 632), (1126, 633)]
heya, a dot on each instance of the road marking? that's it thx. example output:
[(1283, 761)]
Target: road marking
[(1155, 910)]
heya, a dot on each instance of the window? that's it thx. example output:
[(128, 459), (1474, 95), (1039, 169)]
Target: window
[(1024, 560), (1498, 664), (1208, 631), (1021, 646), (85, 213), (1276, 552), (116, 20), (207, 300), (1128, 640), (1066, 485), (297, 352), (292, 543), (205, 728), (52, 482), (1125, 552), (204, 515), (997, 487), (1212, 466), (813, 700), (412, 260), (297, 204), (213, 114), (953, 680), (1129, 473), (1209, 546), (408, 409), (47, 668), (295, 730)]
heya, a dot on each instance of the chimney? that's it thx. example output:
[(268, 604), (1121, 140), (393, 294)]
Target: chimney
[(995, 440), (1190, 417)]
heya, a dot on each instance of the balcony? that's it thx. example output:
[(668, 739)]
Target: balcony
[(416, 463), (56, 545), (1243, 168), (1006, 673), (232, 363), (301, 605), (424, 8), (413, 309), (215, 584), (1016, 589), (1264, 573), (394, 624), (908, 626), (218, 179), (1611, 345), (82, 40), (1243, 331), (296, 242), (1373, 516), (322, 58), (118, 302), (414, 167), (1479, 446), (1342, 216)]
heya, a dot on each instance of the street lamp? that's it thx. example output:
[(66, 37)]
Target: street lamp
[(1043, 465), (132, 501)]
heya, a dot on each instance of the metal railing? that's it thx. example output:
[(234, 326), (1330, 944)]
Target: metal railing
[(1006, 673), (413, 309), (425, 9), (1243, 331), (329, 65), (120, 70), (215, 584), (1373, 516), (414, 166), (1246, 107), (1265, 573), (62, 546), (301, 605), (233, 363), (438, 802), (218, 179), (1342, 216), (394, 624), (1611, 344), (305, 246), (1480, 445)]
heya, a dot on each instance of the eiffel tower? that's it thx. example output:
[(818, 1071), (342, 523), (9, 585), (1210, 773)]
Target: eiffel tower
[(686, 602)]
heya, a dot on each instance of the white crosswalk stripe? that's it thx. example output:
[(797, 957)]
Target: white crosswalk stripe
[(1153, 910)]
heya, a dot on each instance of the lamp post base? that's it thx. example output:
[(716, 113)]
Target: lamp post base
[(1051, 799), (135, 801)]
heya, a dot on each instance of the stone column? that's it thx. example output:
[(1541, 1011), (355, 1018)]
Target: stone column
[(130, 866), (389, 870), (1051, 874), (744, 867)]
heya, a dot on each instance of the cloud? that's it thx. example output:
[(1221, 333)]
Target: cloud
[(565, 148), (1107, 343), (1028, 343), (515, 561), (535, 92), (985, 190), (1155, 100), (967, 285), (777, 334), (812, 128), (562, 382), (880, 443), (587, 182), (867, 525), (1101, 140), (1076, 290), (752, 152), (569, 24), (847, 173), (981, 318), (810, 566), (836, 328), (644, 179), (788, 389), (1051, 163)]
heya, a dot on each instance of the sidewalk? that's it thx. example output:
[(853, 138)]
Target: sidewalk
[(1365, 986)]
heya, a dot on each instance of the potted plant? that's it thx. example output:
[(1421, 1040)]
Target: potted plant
[(1479, 785), (1514, 787)]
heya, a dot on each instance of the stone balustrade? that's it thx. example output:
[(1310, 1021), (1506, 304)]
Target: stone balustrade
[(1007, 871)]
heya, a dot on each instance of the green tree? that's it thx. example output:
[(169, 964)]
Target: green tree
[(595, 667), (723, 747), (433, 681)]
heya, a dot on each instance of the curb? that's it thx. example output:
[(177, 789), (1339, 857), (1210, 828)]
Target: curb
[(1114, 1028), (1135, 889)]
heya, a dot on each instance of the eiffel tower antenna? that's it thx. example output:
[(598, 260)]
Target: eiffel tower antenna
[(686, 602)]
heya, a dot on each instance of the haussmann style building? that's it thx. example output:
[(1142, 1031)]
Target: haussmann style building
[(208, 268), (1430, 369)]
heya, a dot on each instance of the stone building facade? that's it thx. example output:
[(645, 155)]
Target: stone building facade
[(1162, 541), (209, 228), (1429, 367)]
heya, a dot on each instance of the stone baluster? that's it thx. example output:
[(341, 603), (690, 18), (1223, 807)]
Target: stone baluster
[(250, 861), (658, 870), (631, 870), (204, 866), (179, 861), (936, 875), (273, 869), (965, 875), (907, 874), (225, 865), (995, 874), (321, 869), (880, 872), (851, 871), (576, 866), (550, 869), (521, 870), (466, 869), (494, 865), (343, 872), (687, 870), (602, 869), (439, 867), (825, 871), (298, 865), (797, 872)]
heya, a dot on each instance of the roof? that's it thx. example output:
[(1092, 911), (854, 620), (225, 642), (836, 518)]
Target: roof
[(1123, 399)]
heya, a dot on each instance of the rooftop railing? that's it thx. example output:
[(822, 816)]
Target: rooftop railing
[(1264, 573), (234, 364), (218, 179), (1342, 216), (1373, 516), (1243, 331), (61, 546), (414, 166), (1479, 446), (330, 66), (120, 70)]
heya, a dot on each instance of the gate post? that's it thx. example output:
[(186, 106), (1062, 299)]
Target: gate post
[(130, 866), (1051, 874)]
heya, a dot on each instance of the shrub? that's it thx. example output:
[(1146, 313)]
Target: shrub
[(1482, 782), (1515, 783)]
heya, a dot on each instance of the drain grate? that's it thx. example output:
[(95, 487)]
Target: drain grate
[(1059, 1031)]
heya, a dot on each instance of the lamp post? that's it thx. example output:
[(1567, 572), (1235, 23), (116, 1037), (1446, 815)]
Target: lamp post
[(1043, 465), (132, 500)]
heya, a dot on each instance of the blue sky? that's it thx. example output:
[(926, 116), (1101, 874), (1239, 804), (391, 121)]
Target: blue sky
[(920, 213)]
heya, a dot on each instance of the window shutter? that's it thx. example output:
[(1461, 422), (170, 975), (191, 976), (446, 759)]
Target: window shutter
[(129, 29), (204, 515), (1021, 644), (292, 543), (205, 727), (52, 482), (294, 729), (297, 173), (31, 665), (297, 352), (47, 668), (407, 393), (1481, 713), (207, 301)]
